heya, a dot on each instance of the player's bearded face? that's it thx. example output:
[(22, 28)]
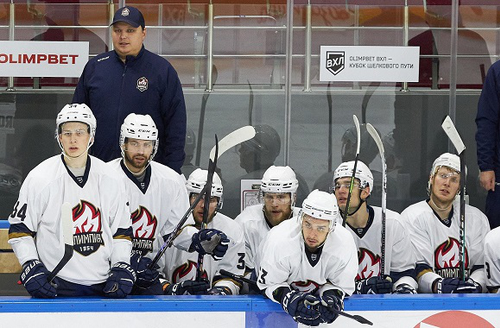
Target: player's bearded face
[(137, 153), (277, 207), (200, 207), (445, 185), (314, 231), (74, 138)]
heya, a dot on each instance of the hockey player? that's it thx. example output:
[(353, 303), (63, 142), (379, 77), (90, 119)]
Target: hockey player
[(434, 226), (158, 199), (492, 260), (100, 218), (278, 192), (181, 266), (310, 262), (365, 224)]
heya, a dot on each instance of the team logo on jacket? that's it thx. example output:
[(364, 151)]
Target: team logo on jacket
[(307, 286), (144, 225), (142, 84), (187, 271), (447, 259), (88, 228), (369, 264), (335, 61)]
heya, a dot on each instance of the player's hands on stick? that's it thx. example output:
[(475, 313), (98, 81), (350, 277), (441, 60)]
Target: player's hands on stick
[(303, 307), (219, 290), (35, 279), (210, 241), (146, 276), (456, 286), (188, 287), (404, 289), (374, 285), (120, 281), (331, 305)]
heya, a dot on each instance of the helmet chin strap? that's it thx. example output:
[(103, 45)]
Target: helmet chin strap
[(90, 143), (361, 201)]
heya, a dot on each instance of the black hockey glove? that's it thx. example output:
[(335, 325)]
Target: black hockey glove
[(210, 241), (34, 278), (145, 276), (331, 305), (404, 289), (374, 285), (303, 307), (457, 286), (187, 287), (120, 281), (220, 291)]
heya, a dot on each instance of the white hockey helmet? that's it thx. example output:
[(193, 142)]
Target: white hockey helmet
[(363, 173), (76, 113), (140, 127), (321, 205), (449, 160), (280, 179), (197, 180)]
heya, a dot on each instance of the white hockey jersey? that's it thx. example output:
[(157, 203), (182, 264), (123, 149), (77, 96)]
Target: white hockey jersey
[(492, 259), (284, 262), (156, 205), (255, 228), (181, 265), (437, 243), (100, 213), (399, 256)]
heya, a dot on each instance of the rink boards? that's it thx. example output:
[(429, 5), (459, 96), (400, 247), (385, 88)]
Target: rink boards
[(246, 311)]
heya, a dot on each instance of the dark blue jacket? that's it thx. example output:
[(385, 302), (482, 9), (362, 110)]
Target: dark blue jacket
[(146, 84)]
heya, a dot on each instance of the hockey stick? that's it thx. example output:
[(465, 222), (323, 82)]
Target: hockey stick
[(231, 140), (212, 165), (67, 231), (356, 317), (351, 184), (380, 145), (452, 133)]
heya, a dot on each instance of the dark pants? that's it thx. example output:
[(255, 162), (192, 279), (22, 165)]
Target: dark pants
[(68, 289), (492, 209)]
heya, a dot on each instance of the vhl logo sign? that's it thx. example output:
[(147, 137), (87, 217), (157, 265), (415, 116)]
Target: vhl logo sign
[(335, 61)]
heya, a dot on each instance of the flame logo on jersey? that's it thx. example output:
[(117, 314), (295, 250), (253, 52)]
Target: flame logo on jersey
[(308, 286), (447, 258), (144, 226), (369, 264), (187, 271), (88, 233)]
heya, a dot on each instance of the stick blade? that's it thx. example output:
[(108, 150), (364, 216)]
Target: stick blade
[(232, 139), (452, 133), (358, 133), (376, 137), (67, 223)]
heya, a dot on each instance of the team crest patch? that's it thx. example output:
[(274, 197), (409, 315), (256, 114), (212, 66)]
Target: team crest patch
[(335, 61), (88, 233), (142, 84), (125, 12)]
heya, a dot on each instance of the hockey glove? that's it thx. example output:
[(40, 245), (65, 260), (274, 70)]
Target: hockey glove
[(34, 279), (303, 307), (220, 291), (187, 287), (210, 241), (404, 289), (331, 305), (374, 285), (120, 281), (145, 276), (457, 286)]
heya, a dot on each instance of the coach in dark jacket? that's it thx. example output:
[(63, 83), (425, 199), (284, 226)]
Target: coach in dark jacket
[(488, 142), (131, 79)]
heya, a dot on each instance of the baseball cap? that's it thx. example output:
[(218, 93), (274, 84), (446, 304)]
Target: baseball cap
[(129, 15)]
